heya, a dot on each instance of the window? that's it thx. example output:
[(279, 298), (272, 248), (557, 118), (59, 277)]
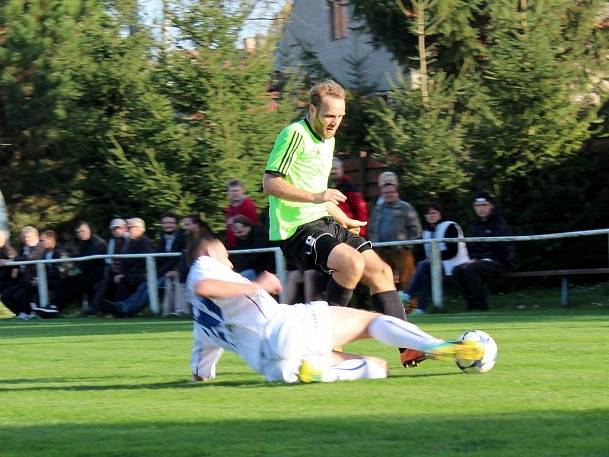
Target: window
[(338, 18)]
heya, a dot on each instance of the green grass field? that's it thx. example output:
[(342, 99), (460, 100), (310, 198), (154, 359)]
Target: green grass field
[(105, 387)]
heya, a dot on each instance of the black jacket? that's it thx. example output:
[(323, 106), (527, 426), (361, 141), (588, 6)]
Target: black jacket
[(259, 262), (135, 269), (93, 269), (165, 264), (495, 225)]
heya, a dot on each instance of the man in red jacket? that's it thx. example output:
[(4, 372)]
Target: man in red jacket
[(355, 206), (240, 204)]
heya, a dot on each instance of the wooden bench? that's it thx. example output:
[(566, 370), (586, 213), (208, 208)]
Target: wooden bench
[(564, 274)]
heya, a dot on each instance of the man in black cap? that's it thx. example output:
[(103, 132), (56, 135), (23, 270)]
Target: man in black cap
[(488, 259)]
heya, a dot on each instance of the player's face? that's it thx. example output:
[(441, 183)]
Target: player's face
[(216, 250), (326, 119), (483, 209)]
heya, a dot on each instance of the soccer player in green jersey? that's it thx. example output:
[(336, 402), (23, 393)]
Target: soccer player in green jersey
[(305, 219)]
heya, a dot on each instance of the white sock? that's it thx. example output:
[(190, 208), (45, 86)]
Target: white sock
[(349, 370), (399, 333)]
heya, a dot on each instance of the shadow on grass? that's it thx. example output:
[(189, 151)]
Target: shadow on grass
[(39, 328), (76, 385), (534, 433)]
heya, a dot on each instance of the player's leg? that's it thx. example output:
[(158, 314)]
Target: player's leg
[(347, 266), (344, 367), (350, 324)]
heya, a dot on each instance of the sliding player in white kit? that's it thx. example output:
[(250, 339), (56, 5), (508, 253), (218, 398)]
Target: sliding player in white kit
[(290, 342)]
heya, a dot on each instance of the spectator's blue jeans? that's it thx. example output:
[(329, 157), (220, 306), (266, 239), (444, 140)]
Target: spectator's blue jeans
[(138, 300), (420, 286), (250, 274)]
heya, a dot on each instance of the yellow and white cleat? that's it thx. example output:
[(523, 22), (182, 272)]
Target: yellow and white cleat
[(308, 373)]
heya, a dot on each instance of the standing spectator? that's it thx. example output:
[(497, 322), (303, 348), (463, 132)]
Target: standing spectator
[(133, 273), (88, 272), (239, 204), (354, 206), (106, 289), (452, 254), (487, 259), (395, 220), (7, 252), (18, 297), (386, 177), (250, 236)]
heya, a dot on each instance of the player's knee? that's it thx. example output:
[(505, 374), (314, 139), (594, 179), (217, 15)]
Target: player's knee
[(355, 265)]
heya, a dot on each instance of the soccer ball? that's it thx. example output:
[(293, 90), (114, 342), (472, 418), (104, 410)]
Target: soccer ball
[(487, 362)]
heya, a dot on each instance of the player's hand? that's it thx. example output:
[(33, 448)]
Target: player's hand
[(354, 226), (330, 195), (269, 282)]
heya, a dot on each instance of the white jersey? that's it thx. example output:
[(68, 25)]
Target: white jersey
[(238, 323)]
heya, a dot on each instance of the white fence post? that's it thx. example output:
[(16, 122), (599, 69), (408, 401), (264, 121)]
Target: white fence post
[(43, 288), (436, 275), (153, 292), (281, 271)]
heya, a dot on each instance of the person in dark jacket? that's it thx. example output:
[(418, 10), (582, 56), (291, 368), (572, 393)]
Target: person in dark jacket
[(7, 253), (250, 236), (87, 274), (19, 295), (487, 259), (354, 206)]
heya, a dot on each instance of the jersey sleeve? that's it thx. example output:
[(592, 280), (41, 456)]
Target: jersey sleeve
[(285, 150), (205, 354)]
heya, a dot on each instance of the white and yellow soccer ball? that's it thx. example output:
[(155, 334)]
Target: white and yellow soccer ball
[(489, 356)]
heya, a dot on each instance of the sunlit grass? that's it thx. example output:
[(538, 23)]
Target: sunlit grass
[(105, 387)]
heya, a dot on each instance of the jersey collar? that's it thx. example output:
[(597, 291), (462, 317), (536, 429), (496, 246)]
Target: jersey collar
[(315, 135)]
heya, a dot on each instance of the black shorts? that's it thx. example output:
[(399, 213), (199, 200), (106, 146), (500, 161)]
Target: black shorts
[(312, 243)]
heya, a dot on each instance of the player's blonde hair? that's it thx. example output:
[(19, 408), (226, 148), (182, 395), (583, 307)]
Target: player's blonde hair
[(328, 88)]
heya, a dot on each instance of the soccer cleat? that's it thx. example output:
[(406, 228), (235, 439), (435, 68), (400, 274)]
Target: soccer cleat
[(469, 350), (411, 358), (307, 373)]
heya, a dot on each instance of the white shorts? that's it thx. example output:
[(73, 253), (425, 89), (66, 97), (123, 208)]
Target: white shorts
[(303, 332)]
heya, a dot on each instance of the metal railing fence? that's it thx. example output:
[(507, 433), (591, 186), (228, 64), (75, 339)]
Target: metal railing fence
[(436, 259), (151, 275), (280, 264)]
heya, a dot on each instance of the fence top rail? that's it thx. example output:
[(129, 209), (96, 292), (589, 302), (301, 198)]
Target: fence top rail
[(126, 256), (548, 236)]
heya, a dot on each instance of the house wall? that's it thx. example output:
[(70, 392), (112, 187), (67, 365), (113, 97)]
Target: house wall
[(311, 22)]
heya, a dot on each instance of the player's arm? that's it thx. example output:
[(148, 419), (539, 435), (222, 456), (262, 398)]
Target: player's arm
[(217, 288), (205, 356), (276, 185), (341, 218)]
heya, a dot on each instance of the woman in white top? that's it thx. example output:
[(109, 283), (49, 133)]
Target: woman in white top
[(453, 254), (290, 343)]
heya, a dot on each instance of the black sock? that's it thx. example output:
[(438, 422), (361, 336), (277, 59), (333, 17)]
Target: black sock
[(389, 303), (337, 295)]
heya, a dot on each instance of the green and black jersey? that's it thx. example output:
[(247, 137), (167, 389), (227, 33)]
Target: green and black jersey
[(304, 159)]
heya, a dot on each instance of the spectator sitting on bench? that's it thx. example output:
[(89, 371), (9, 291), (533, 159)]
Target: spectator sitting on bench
[(452, 255), (488, 259), (87, 273), (133, 274)]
